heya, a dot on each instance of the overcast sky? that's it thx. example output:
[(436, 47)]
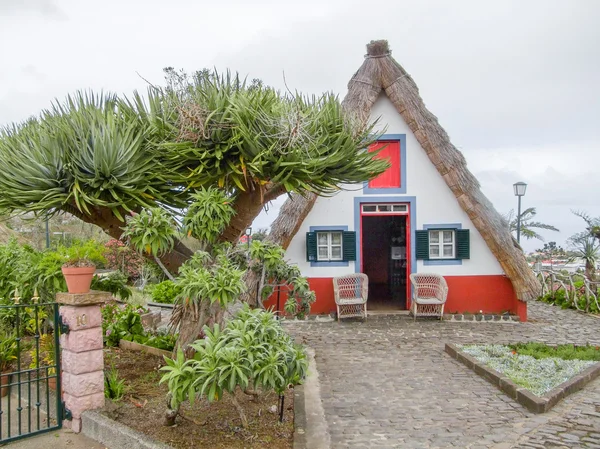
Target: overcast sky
[(516, 84)]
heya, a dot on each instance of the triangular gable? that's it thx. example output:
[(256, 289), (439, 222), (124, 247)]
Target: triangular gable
[(381, 73)]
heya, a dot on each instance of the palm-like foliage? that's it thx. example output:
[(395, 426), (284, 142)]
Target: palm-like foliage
[(101, 156), (593, 223), (587, 248), (528, 225), (238, 136), (84, 153), (251, 351)]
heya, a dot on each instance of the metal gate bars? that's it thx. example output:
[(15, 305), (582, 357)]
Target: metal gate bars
[(31, 400)]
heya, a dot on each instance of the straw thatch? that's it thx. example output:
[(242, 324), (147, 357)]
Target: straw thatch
[(381, 73), (6, 234)]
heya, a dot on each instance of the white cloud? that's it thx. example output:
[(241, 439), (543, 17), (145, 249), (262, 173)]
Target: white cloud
[(514, 83)]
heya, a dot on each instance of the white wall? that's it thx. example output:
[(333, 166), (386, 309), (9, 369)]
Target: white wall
[(435, 204)]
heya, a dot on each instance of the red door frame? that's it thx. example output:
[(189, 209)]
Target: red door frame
[(408, 240)]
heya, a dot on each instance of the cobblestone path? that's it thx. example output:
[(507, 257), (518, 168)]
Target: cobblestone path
[(388, 383)]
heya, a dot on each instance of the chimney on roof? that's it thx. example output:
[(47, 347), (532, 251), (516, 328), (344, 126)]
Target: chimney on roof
[(378, 48)]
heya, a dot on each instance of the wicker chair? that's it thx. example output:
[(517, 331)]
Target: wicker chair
[(351, 292), (430, 292)]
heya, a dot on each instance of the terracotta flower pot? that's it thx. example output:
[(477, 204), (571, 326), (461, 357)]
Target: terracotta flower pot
[(78, 279), (4, 380)]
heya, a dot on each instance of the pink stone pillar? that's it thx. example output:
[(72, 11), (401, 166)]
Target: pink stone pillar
[(82, 357)]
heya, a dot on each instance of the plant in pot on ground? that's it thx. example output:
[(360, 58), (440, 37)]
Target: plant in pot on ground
[(8, 354)]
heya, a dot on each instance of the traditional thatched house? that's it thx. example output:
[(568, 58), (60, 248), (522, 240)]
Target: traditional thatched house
[(426, 213)]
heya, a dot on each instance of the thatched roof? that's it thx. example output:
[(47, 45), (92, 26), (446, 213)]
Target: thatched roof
[(380, 72), (6, 234)]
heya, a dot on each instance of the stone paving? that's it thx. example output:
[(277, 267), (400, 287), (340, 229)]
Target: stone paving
[(387, 383)]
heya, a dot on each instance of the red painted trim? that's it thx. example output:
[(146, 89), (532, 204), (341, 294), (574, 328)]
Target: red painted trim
[(408, 239), (390, 178), (488, 293), (522, 310)]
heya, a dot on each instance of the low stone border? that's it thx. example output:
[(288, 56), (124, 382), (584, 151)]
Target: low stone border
[(310, 426), (481, 317), (114, 434), (134, 346), (536, 404)]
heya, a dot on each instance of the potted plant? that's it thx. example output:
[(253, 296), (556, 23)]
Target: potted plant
[(8, 354), (78, 271)]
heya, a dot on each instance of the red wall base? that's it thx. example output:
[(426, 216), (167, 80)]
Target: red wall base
[(486, 293)]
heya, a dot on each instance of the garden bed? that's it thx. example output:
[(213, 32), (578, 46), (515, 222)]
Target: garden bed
[(134, 346), (215, 425), (535, 375)]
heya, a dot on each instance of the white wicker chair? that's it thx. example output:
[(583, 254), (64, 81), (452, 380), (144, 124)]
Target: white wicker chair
[(430, 292), (351, 293)]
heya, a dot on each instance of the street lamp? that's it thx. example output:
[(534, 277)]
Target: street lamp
[(520, 188)]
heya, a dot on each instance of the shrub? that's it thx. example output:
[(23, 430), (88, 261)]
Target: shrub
[(565, 352), (122, 324), (166, 292), (252, 351), (125, 323), (115, 283)]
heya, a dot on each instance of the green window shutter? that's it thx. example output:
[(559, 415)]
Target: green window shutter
[(349, 245), (463, 244), (311, 246), (422, 240)]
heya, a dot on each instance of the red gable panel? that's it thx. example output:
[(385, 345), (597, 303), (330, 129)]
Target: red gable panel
[(391, 177)]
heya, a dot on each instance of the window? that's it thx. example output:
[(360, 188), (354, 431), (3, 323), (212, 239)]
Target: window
[(329, 246), (391, 148), (389, 151), (384, 209), (442, 244)]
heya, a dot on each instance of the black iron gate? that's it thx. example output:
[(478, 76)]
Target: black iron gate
[(31, 400)]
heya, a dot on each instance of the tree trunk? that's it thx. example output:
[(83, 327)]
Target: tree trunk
[(590, 270), (239, 409), (170, 413), (104, 218), (247, 206), (191, 322), (284, 228)]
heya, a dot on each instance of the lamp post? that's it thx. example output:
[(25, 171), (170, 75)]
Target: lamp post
[(520, 188)]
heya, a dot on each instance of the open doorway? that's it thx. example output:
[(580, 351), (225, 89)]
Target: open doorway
[(384, 260)]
